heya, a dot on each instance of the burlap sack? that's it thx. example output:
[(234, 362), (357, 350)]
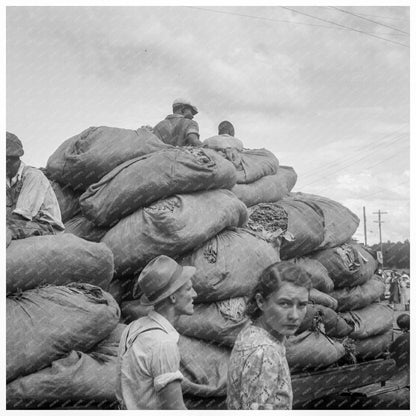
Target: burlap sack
[(89, 377), (229, 264), (85, 158), (45, 324), (270, 188), (172, 227), (141, 181), (372, 320), (348, 265), (318, 273), (358, 297), (84, 228), (57, 260)]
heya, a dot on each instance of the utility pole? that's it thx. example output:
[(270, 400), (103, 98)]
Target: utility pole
[(365, 227), (379, 213)]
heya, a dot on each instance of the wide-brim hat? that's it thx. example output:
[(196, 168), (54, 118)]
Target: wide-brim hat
[(182, 102), (161, 278), (14, 146)]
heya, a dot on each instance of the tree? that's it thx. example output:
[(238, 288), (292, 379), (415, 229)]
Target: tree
[(395, 255)]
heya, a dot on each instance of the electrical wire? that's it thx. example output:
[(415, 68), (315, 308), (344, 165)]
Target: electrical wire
[(285, 21), (340, 164), (379, 142), (345, 27), (383, 17), (256, 17), (362, 196), (358, 160), (368, 20)]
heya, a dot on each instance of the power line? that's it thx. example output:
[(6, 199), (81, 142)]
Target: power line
[(382, 141), (368, 167), (345, 27), (280, 20), (368, 20), (368, 146), (363, 196), (256, 17), (337, 165), (384, 17), (381, 190)]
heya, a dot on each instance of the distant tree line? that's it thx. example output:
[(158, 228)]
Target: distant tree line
[(395, 255)]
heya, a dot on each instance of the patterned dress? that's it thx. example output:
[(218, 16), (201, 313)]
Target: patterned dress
[(258, 373)]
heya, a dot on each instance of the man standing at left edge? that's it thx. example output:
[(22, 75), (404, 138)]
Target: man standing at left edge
[(31, 205)]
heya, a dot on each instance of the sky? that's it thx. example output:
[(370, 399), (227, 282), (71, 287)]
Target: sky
[(326, 89)]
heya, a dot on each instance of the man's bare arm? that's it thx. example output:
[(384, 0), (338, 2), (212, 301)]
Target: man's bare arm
[(193, 140), (171, 396)]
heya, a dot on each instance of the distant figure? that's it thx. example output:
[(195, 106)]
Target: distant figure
[(395, 289), (404, 291), (225, 138), (31, 205), (179, 128)]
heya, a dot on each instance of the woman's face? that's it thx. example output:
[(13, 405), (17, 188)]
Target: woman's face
[(284, 310)]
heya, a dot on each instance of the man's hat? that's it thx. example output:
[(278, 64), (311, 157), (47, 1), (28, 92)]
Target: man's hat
[(182, 102), (162, 277), (14, 146)]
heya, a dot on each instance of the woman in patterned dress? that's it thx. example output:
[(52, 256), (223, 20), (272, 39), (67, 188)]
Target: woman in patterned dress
[(258, 374)]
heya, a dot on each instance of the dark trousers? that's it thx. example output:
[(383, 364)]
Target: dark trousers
[(20, 228)]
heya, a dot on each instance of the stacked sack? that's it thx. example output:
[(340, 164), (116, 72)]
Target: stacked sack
[(358, 292), (56, 307), (143, 198), (140, 198), (227, 268), (62, 325)]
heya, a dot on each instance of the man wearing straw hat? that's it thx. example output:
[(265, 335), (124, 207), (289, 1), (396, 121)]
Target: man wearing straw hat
[(148, 366)]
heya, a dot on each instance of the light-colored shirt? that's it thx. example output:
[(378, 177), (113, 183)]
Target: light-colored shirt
[(223, 141), (36, 197), (175, 130), (148, 360), (258, 373)]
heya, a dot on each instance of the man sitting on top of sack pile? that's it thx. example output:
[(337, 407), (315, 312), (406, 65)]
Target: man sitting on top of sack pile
[(31, 205), (226, 143), (178, 129), (225, 138)]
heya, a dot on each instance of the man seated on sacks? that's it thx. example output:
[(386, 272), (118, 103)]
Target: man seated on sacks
[(148, 356), (226, 143), (179, 128), (31, 205), (225, 138)]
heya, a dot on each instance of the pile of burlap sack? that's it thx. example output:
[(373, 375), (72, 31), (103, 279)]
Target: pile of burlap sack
[(127, 197)]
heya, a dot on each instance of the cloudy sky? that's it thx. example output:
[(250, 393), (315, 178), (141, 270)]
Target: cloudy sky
[(326, 89)]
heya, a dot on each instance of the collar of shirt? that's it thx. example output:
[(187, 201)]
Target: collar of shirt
[(17, 177), (164, 323), (175, 116), (253, 336)]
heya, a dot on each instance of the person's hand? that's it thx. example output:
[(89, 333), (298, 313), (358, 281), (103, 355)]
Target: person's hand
[(147, 127)]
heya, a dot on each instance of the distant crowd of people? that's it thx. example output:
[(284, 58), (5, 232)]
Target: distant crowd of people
[(398, 286)]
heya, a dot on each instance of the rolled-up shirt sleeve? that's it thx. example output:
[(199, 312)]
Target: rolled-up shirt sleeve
[(192, 127), (165, 364)]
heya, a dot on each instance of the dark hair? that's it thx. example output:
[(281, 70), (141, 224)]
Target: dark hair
[(226, 127), (272, 279), (403, 321)]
